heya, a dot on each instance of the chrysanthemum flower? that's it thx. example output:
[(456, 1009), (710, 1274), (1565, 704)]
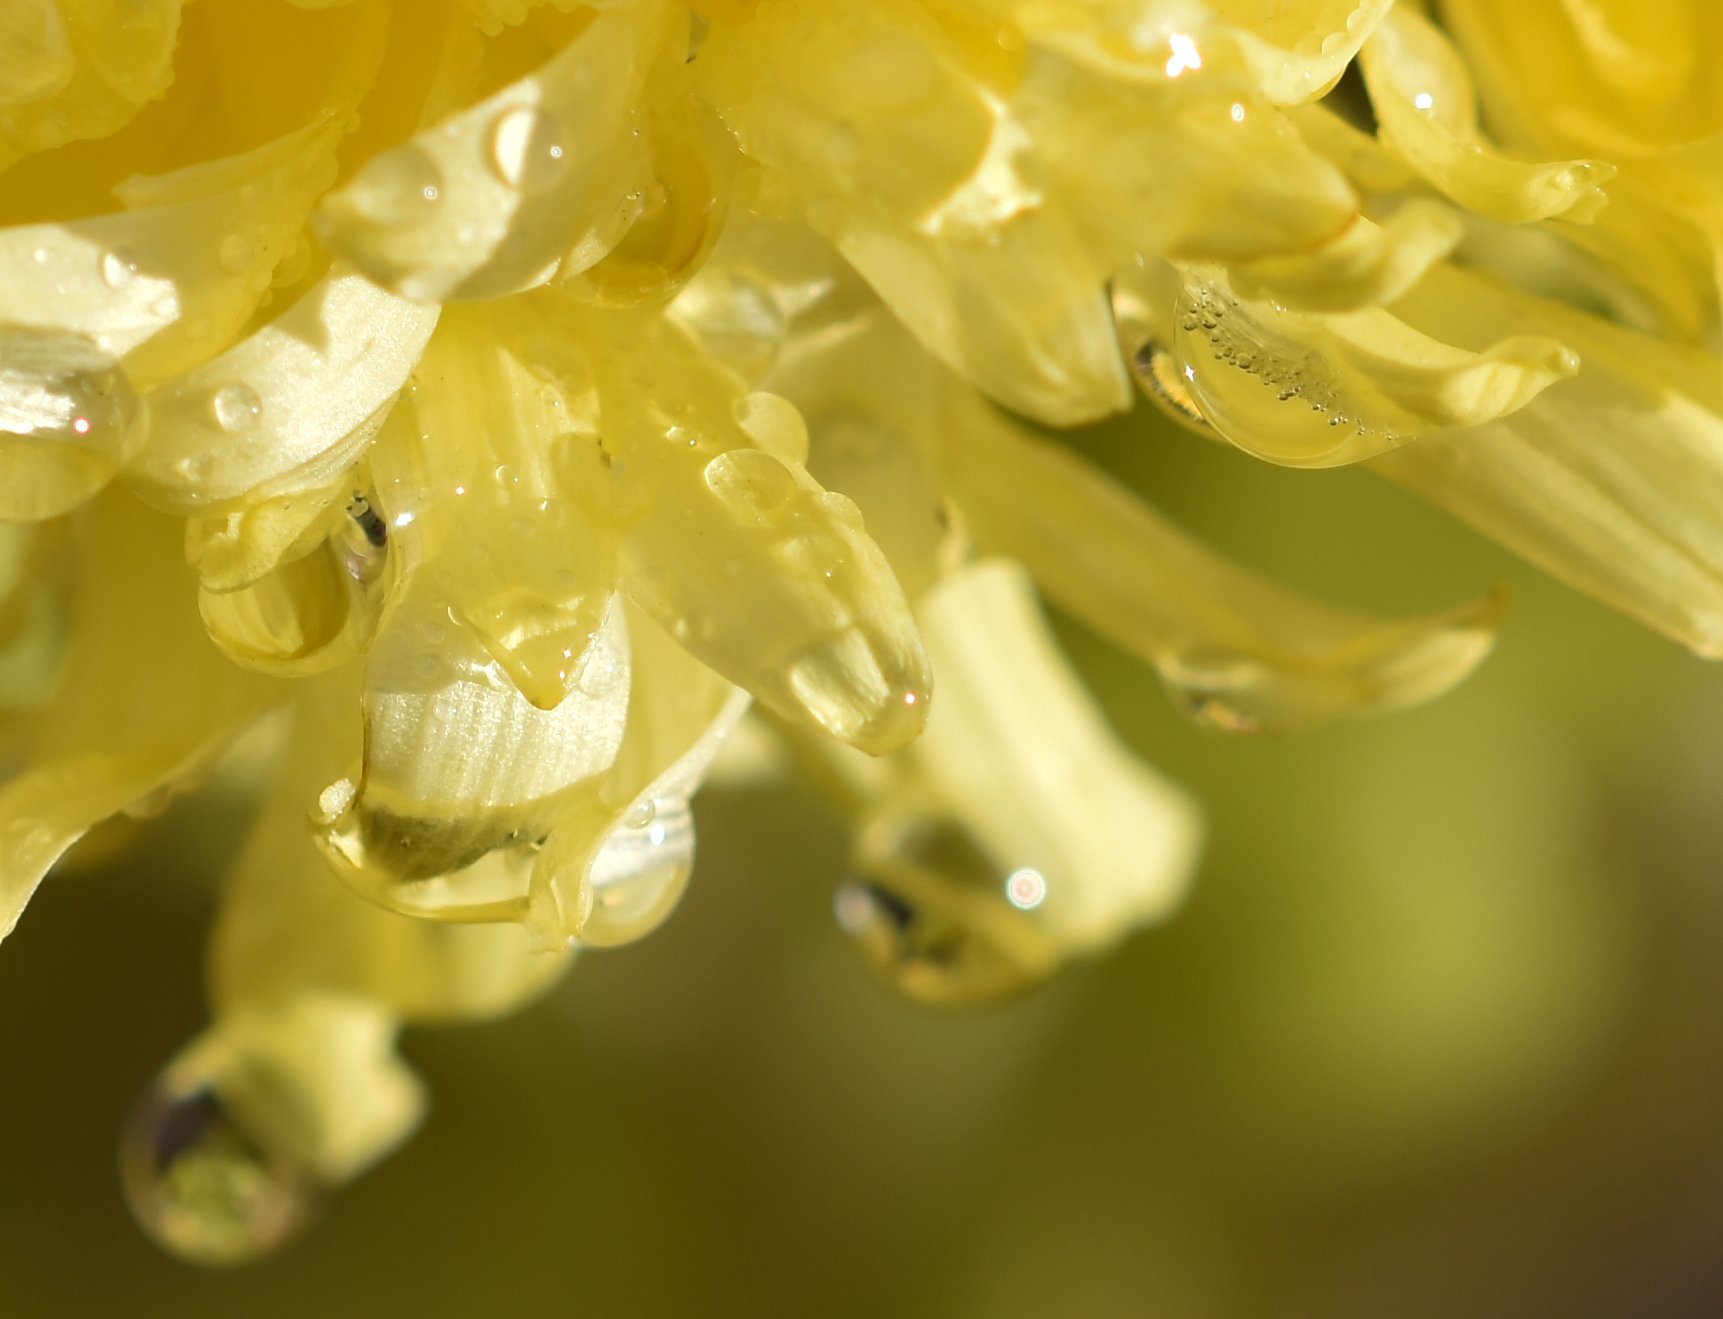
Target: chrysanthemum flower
[(491, 400)]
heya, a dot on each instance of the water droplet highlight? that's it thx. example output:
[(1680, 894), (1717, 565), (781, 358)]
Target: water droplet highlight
[(237, 407)]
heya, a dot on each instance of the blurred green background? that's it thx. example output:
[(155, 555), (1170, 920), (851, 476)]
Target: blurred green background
[(1436, 1035)]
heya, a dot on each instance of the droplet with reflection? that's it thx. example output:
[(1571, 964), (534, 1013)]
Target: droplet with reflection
[(204, 1185), (939, 919)]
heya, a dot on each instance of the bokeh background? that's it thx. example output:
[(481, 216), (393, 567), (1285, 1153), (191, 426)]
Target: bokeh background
[(1437, 1034)]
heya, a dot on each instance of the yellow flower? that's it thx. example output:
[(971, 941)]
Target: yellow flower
[(532, 387)]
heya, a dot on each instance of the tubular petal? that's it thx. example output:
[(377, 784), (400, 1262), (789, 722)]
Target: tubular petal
[(1242, 654), (1633, 521), (1319, 391), (743, 557), (1427, 111)]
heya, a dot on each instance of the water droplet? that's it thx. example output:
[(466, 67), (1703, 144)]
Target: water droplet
[(396, 187), (640, 814), (752, 485), (119, 268), (639, 874), (202, 1184), (937, 919), (236, 254), (237, 407), (527, 150), (1157, 373)]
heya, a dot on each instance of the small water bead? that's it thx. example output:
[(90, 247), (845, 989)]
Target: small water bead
[(119, 268), (236, 254), (202, 1184), (641, 813), (237, 407)]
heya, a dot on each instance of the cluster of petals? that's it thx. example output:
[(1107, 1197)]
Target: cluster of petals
[(486, 408)]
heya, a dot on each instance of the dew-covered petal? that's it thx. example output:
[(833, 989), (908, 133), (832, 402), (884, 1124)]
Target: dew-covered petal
[(128, 720), (901, 155), (1310, 390), (80, 69), (1613, 483), (1240, 653), (1427, 112), (489, 697), (166, 283), (742, 556), (500, 196), (306, 614), (288, 408)]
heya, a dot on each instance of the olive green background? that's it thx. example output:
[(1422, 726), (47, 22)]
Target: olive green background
[(1438, 1033)]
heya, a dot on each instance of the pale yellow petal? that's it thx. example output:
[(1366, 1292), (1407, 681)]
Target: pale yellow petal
[(744, 558), (1614, 482), (1241, 653), (1427, 112), (80, 68), (128, 720), (1318, 391), (500, 196), (288, 408)]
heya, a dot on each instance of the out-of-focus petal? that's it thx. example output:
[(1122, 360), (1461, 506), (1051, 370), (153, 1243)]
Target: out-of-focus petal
[(1022, 832), (79, 69), (1241, 653), (1634, 519), (128, 721)]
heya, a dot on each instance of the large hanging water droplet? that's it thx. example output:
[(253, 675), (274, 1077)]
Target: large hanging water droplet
[(640, 873), (939, 920), (202, 1184)]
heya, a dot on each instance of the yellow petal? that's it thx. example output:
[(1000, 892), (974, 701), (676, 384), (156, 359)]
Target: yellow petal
[(288, 928), (744, 558), (1427, 112), (81, 68), (166, 283), (500, 196), (1631, 518), (128, 720), (1021, 832), (1241, 653), (1318, 391), (288, 408)]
